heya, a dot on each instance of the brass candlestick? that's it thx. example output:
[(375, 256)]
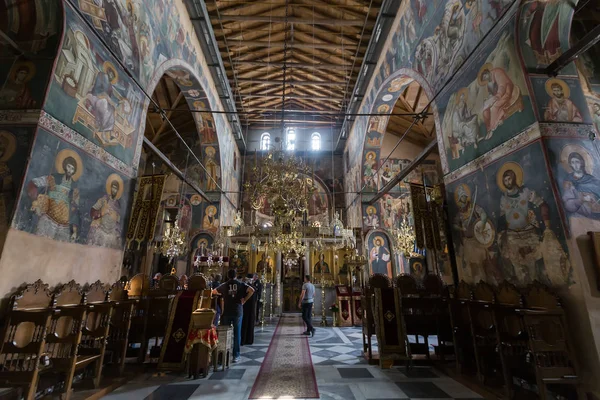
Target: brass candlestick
[(262, 317), (323, 317)]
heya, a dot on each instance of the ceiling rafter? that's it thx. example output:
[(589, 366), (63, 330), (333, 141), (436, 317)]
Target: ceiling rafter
[(324, 42)]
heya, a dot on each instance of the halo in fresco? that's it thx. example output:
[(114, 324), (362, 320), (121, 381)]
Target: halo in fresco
[(108, 66), (30, 70), (555, 81), (485, 67), (10, 145), (575, 148), (195, 200), (115, 178), (509, 166), (64, 154)]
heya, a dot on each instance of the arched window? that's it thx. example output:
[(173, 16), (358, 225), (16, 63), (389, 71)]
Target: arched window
[(291, 139), (265, 141), (315, 141)]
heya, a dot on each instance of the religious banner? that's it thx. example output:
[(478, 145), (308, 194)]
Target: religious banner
[(145, 209), (343, 296)]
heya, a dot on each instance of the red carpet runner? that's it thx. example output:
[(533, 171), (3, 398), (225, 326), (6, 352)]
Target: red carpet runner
[(287, 370)]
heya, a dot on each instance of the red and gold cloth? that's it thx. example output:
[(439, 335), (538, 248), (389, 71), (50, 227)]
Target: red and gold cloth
[(207, 337)]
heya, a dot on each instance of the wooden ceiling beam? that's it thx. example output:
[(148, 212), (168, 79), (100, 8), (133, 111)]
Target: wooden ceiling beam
[(291, 96), (291, 45), (297, 83), (290, 20), (296, 65)]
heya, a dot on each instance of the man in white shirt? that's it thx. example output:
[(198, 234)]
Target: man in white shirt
[(307, 299)]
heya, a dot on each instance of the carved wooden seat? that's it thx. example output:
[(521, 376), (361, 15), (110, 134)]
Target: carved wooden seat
[(368, 321), (157, 315), (120, 323), (137, 289), (485, 340), (433, 286), (64, 338), (425, 312), (461, 328), (23, 338), (197, 282), (511, 333), (95, 329), (389, 326), (548, 341), (407, 285)]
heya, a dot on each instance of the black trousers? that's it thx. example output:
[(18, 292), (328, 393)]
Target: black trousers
[(307, 316)]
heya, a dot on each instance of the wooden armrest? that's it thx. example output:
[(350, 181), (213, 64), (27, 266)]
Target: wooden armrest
[(531, 312), (83, 361)]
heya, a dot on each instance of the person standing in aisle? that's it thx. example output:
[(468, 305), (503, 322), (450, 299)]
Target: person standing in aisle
[(307, 298), (234, 294)]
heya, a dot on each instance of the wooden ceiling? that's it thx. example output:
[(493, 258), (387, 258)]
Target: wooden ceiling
[(412, 100), (321, 43)]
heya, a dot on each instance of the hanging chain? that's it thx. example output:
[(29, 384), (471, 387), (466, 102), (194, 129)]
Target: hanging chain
[(284, 67)]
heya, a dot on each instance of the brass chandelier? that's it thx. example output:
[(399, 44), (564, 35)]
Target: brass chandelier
[(281, 181)]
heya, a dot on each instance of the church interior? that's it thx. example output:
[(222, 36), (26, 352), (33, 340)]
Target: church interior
[(299, 199)]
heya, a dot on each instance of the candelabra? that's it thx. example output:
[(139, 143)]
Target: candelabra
[(262, 309), (323, 317)]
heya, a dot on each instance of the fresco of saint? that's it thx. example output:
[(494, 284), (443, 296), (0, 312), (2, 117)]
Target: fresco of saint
[(8, 145), (210, 221), (502, 95), (56, 198), (465, 125), (475, 233), (371, 220), (105, 229), (596, 115), (15, 93), (560, 108), (380, 259), (321, 266), (532, 250), (543, 19), (581, 190), (213, 170)]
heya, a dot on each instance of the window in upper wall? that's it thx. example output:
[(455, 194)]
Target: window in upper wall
[(265, 141), (315, 141), (290, 139)]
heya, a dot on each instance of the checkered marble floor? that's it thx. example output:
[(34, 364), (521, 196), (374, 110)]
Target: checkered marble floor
[(341, 373)]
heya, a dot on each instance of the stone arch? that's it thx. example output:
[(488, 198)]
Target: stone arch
[(385, 100), (193, 91)]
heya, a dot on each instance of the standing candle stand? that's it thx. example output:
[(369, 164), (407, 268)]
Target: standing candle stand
[(323, 317), (262, 309)]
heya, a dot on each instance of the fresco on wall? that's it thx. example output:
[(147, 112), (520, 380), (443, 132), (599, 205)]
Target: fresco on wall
[(72, 197), (92, 95), (200, 245), (143, 34), (576, 167), (395, 207), (380, 256), (506, 224), (370, 167), (432, 36), (594, 107), (560, 100), (544, 32), (33, 28), (487, 105), (370, 217), (15, 143)]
